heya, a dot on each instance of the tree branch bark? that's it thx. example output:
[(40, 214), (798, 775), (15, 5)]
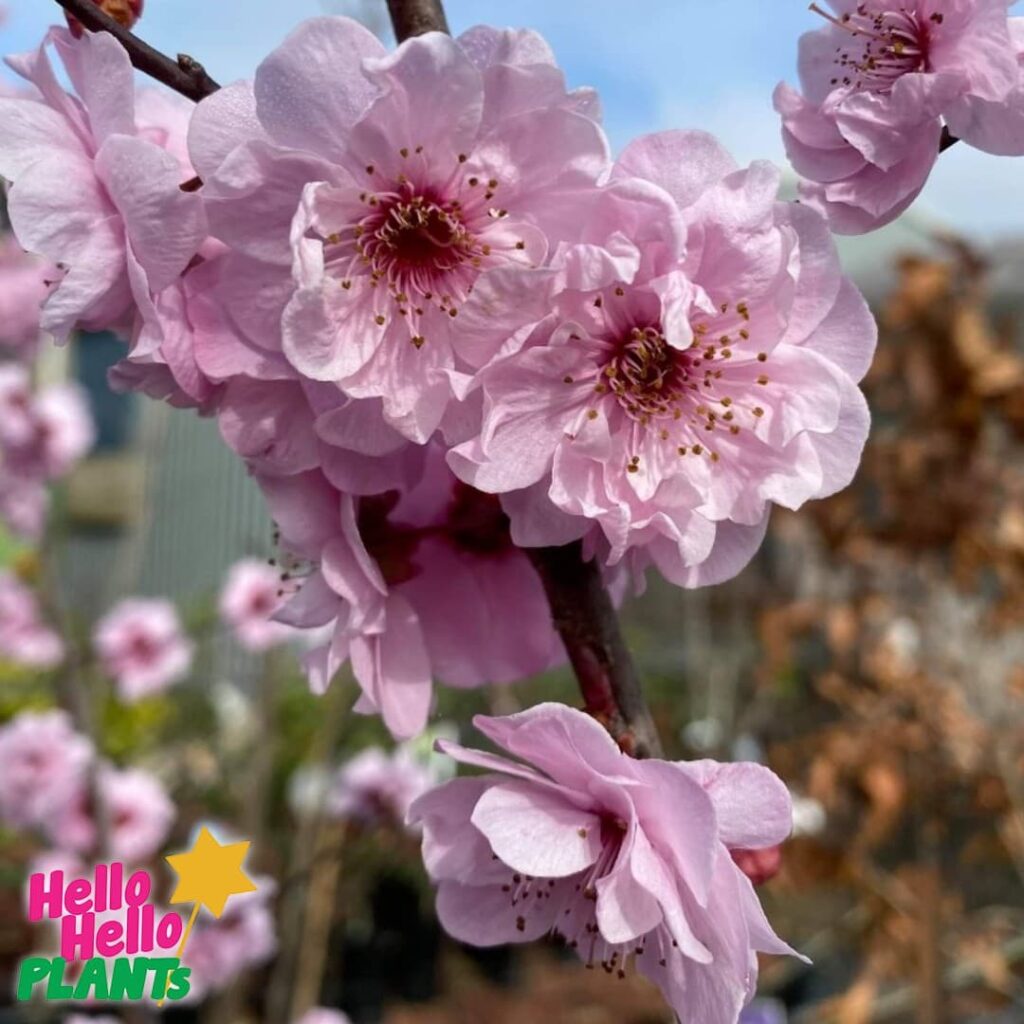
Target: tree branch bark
[(581, 607), (185, 75), (414, 17), (586, 620), (948, 139)]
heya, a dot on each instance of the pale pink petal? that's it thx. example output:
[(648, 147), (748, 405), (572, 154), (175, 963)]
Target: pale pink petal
[(753, 807), (536, 832), (220, 123), (311, 90), (683, 163)]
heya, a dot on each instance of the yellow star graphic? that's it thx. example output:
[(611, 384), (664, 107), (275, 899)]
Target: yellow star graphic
[(210, 874)]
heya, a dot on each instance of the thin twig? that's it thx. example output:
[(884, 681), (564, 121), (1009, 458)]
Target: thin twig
[(414, 17), (948, 139), (185, 75), (589, 626)]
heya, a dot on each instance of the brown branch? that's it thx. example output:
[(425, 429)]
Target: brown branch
[(414, 17), (948, 139), (589, 626), (185, 75)]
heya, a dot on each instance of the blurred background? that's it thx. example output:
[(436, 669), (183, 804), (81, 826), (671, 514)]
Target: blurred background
[(873, 655)]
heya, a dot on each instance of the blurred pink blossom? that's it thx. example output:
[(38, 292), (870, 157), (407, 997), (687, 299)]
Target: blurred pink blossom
[(24, 638), (250, 597), (319, 1015), (42, 436), (138, 812), (878, 81), (242, 938), (22, 290), (377, 787), (43, 761), (627, 860), (142, 646)]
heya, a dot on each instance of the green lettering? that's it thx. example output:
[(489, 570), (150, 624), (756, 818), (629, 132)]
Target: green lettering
[(56, 990), (33, 970), (128, 981), (162, 967), (93, 980), (180, 985)]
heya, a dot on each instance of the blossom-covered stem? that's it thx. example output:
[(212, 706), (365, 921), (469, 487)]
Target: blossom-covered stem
[(587, 622), (185, 75), (414, 17)]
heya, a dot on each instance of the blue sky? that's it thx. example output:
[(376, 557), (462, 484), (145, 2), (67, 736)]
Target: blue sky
[(658, 64)]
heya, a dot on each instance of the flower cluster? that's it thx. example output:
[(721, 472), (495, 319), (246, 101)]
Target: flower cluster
[(441, 327), (880, 81), (51, 780)]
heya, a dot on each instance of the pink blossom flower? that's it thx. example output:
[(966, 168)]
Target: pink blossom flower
[(687, 367), (878, 81), (138, 812), (24, 638), (415, 174), (162, 358), (89, 194), (627, 860), (24, 504), (22, 291), (41, 437), (243, 937), (249, 599), (319, 1015), (417, 585), (42, 761), (65, 431), (17, 420), (377, 787), (141, 644)]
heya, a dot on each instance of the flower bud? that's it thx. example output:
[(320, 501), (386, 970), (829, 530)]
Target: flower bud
[(125, 12), (759, 866)]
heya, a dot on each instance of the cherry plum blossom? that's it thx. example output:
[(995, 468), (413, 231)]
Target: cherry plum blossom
[(629, 861), (141, 644), (691, 365), (879, 82), (42, 761), (416, 585), (89, 193)]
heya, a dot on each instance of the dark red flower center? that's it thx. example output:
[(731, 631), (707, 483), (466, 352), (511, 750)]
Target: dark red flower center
[(477, 523), (647, 375), (886, 43)]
